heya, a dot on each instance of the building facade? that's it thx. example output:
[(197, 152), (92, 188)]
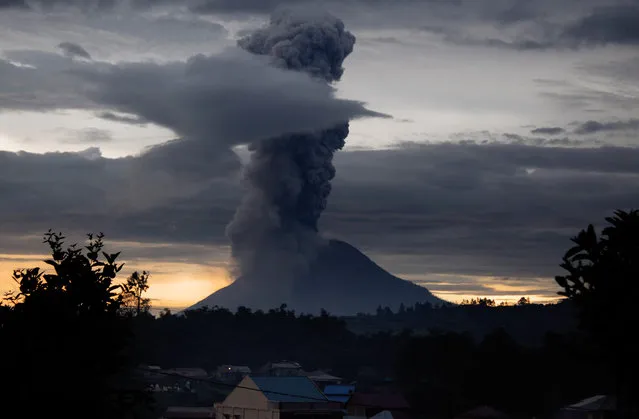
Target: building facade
[(277, 398)]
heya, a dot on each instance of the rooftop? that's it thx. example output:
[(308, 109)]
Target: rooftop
[(339, 389), (289, 389), (322, 376), (339, 393)]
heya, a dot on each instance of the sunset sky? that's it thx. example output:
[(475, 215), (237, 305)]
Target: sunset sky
[(510, 125)]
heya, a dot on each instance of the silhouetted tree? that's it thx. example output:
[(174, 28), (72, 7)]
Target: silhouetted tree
[(603, 281), (402, 309), (64, 342), (133, 293), (523, 301), (483, 302)]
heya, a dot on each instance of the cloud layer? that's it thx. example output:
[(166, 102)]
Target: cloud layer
[(494, 210)]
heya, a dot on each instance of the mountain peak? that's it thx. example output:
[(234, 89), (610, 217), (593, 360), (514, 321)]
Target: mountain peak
[(342, 280)]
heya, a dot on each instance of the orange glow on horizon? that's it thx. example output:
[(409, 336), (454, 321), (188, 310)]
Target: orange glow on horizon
[(501, 298), (177, 285), (538, 290), (174, 285)]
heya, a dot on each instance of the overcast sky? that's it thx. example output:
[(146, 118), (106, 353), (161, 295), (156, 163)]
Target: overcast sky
[(484, 134)]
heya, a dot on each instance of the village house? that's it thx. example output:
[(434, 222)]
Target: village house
[(277, 398)]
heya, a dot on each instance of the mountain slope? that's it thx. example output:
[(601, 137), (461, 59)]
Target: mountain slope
[(342, 281)]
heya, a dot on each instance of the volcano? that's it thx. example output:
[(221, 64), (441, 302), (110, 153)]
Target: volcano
[(342, 280)]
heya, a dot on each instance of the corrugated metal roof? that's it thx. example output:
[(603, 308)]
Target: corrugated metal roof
[(322, 376), (289, 389), (339, 392), (339, 389)]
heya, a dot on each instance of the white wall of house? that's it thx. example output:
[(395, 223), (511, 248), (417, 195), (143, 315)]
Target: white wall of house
[(246, 402)]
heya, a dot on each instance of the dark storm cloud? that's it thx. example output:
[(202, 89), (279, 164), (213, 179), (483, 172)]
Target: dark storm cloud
[(19, 4), (518, 11), (593, 127), (487, 210), (516, 24), (548, 130), (74, 50), (188, 161), (519, 24), (604, 22), (229, 99), (268, 6), (80, 192), (38, 81), (612, 24), (86, 5), (536, 25), (224, 100), (231, 6), (498, 209)]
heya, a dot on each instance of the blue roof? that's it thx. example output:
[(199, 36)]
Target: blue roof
[(289, 389), (339, 393), (339, 389)]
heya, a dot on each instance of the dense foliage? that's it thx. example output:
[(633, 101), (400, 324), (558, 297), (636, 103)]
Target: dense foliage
[(64, 339), (527, 323), (603, 281)]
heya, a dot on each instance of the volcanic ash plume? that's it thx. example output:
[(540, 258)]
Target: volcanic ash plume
[(274, 231)]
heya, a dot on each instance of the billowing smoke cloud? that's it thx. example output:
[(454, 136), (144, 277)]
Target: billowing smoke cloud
[(314, 46), (274, 232)]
